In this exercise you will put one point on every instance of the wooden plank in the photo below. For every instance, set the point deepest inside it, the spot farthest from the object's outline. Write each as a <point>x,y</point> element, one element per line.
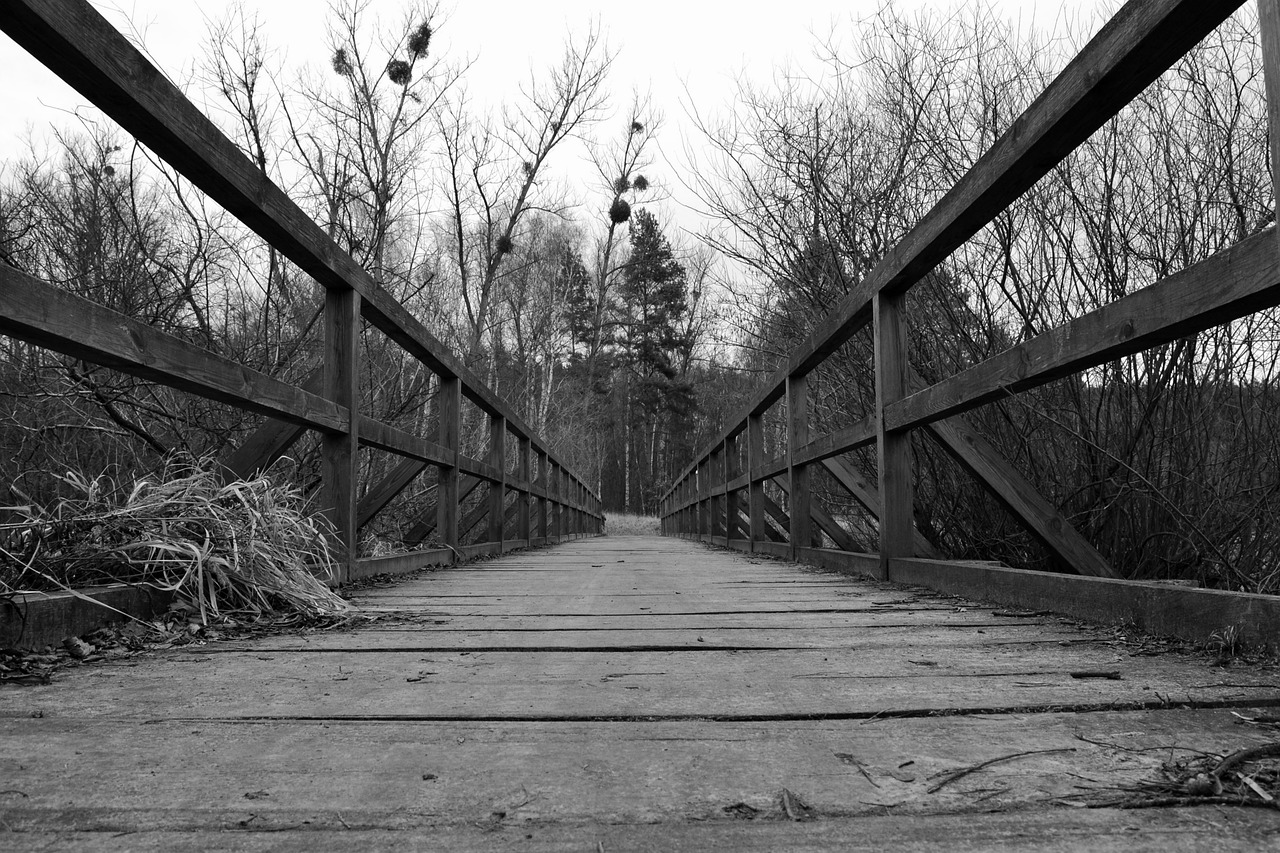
<point>395,564</point>
<point>825,522</point>
<point>339,459</point>
<point>1019,497</point>
<point>395,482</point>
<point>841,441</point>
<point>394,440</point>
<point>427,524</point>
<point>34,620</point>
<point>869,497</point>
<point>1231,284</point>
<point>270,441</point>
<point>1176,611</point>
<point>44,315</point>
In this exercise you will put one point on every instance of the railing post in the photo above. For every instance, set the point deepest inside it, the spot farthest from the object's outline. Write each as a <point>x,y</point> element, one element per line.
<point>798,475</point>
<point>525,496</point>
<point>704,498</point>
<point>731,472</point>
<point>755,490</point>
<point>893,448</point>
<point>339,454</point>
<point>542,498</point>
<point>498,490</point>
<point>450,435</point>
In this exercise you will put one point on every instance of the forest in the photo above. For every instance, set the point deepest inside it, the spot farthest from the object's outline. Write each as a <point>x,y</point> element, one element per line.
<point>626,330</point>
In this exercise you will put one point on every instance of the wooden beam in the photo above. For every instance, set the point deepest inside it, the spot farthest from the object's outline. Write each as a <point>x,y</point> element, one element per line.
<point>339,459</point>
<point>825,523</point>
<point>498,489</point>
<point>860,434</point>
<point>1019,497</point>
<point>430,518</point>
<point>41,314</point>
<point>867,495</point>
<point>893,448</point>
<point>395,482</point>
<point>270,440</point>
<point>1233,283</point>
<point>755,490</point>
<point>449,405</point>
<point>523,468</point>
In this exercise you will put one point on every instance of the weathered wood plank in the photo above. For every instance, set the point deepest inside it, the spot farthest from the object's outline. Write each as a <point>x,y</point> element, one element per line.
<point>1019,497</point>
<point>39,313</point>
<point>1232,284</point>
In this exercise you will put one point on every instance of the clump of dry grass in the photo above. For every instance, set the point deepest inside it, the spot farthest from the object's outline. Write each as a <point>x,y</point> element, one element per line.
<point>626,524</point>
<point>245,548</point>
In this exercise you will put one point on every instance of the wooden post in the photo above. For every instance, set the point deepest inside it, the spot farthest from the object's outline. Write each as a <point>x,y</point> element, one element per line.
<point>542,498</point>
<point>524,472</point>
<point>755,490</point>
<point>893,448</point>
<point>798,475</point>
<point>450,437</point>
<point>498,490</point>
<point>339,451</point>
<point>731,472</point>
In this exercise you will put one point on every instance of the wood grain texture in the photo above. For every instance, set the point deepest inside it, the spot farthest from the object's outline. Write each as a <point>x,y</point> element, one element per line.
<point>39,313</point>
<point>1232,284</point>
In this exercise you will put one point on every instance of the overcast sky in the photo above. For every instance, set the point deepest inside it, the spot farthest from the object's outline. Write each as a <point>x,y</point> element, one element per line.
<point>680,49</point>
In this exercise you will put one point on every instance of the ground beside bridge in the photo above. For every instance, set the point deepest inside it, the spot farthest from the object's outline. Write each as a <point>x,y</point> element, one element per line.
<point>639,693</point>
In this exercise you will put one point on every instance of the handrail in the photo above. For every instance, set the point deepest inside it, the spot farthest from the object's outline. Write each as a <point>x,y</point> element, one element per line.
<point>77,43</point>
<point>1142,40</point>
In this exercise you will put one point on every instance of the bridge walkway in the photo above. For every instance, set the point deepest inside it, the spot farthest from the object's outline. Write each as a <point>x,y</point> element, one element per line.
<point>628,693</point>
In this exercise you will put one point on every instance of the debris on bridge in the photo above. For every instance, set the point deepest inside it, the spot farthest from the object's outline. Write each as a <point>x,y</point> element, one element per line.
<point>243,549</point>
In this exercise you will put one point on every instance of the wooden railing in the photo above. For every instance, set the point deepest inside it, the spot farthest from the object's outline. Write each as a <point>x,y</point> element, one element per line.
<point>721,496</point>
<point>551,502</point>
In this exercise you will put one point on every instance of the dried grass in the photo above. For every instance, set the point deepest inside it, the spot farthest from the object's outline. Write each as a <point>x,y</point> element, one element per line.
<point>626,524</point>
<point>246,549</point>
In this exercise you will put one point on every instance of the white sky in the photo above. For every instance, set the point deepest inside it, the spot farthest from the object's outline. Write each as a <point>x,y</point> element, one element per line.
<point>662,45</point>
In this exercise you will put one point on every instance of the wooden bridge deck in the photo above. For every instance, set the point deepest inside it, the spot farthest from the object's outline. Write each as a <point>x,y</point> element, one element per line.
<point>630,693</point>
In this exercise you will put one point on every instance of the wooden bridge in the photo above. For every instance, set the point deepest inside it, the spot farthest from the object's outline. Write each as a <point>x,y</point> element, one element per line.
<point>655,693</point>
